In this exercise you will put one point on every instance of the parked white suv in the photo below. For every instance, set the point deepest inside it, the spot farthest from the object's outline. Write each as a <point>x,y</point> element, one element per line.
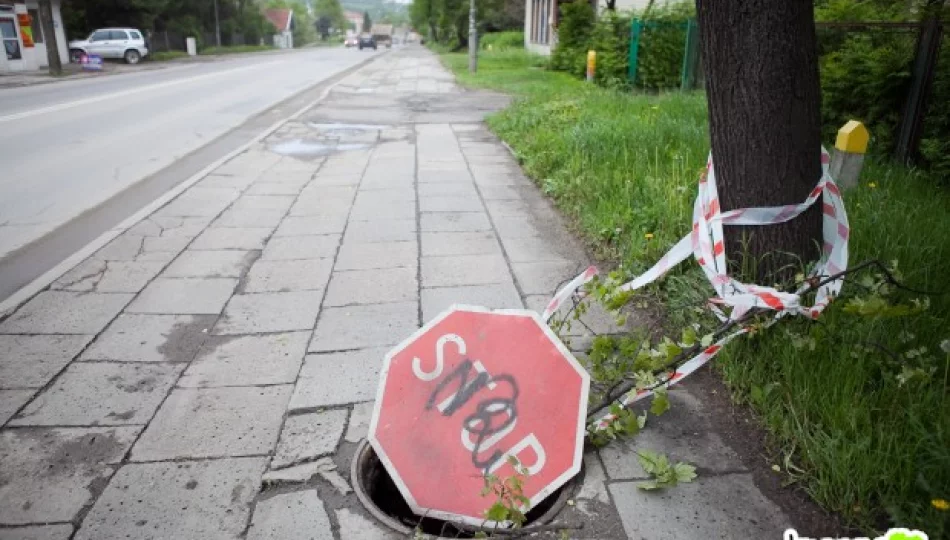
<point>125,43</point>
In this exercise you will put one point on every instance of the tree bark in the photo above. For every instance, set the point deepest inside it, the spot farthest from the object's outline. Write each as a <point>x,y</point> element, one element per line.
<point>761,63</point>
<point>49,35</point>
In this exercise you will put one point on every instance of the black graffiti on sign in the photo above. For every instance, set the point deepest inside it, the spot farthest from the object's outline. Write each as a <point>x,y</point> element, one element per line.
<point>481,423</point>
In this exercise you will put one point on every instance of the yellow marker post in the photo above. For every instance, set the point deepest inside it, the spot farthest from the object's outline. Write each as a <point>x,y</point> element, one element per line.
<point>848,157</point>
<point>853,137</point>
<point>591,65</point>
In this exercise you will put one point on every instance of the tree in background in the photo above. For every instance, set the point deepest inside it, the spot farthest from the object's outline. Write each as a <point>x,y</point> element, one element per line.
<point>239,18</point>
<point>367,22</point>
<point>422,16</point>
<point>500,15</point>
<point>329,14</point>
<point>446,21</point>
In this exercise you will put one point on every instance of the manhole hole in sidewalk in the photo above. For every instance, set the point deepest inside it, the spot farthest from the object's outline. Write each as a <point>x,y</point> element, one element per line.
<point>302,149</point>
<point>378,493</point>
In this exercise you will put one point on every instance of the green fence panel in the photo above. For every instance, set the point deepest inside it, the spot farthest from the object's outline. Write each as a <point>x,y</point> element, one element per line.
<point>636,28</point>
<point>690,51</point>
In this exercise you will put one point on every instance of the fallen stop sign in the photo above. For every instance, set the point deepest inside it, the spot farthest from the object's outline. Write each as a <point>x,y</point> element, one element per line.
<point>464,393</point>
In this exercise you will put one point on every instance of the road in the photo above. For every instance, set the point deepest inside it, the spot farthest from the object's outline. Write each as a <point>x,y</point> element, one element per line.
<point>70,146</point>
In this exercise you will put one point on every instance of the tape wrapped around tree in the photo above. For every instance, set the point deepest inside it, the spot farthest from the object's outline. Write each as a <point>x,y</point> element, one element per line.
<point>734,299</point>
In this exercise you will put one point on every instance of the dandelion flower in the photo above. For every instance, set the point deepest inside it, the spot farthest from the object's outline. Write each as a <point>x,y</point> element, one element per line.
<point>872,185</point>
<point>648,236</point>
<point>940,504</point>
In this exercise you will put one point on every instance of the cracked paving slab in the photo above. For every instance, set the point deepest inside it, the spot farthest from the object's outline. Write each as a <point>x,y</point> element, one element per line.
<point>49,474</point>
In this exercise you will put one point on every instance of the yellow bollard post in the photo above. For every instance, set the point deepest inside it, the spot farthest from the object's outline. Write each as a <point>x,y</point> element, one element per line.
<point>848,157</point>
<point>591,65</point>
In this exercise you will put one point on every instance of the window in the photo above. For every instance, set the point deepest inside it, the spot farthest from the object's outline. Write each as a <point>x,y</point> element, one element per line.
<point>119,35</point>
<point>11,43</point>
<point>37,27</point>
<point>100,35</point>
<point>540,15</point>
<point>136,35</point>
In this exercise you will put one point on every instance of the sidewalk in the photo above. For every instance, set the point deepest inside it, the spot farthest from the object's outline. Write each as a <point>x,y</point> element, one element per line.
<point>154,389</point>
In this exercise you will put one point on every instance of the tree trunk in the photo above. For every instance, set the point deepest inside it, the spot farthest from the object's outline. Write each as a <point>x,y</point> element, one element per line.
<point>761,63</point>
<point>49,34</point>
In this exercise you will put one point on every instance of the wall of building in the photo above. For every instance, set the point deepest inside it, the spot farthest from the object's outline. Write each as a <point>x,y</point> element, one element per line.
<point>32,58</point>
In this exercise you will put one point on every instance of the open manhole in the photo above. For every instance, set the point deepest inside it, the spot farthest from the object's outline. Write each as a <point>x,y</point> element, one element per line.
<point>302,149</point>
<point>379,494</point>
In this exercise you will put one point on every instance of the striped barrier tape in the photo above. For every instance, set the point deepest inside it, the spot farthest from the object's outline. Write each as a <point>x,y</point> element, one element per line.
<point>705,243</point>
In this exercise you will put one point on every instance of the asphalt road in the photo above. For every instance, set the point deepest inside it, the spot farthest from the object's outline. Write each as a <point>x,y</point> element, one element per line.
<point>69,147</point>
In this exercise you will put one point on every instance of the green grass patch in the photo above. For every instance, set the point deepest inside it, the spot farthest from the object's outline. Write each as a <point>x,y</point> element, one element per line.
<point>857,406</point>
<point>165,56</point>
<point>236,49</point>
<point>502,41</point>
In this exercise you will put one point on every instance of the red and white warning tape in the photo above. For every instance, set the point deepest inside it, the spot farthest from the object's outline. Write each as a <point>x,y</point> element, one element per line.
<point>705,243</point>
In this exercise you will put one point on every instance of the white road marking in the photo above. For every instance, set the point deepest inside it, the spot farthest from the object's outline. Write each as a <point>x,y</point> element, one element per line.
<point>124,93</point>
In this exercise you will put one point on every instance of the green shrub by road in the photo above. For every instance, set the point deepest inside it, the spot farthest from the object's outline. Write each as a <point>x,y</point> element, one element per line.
<point>857,405</point>
<point>234,49</point>
<point>164,56</point>
<point>502,41</point>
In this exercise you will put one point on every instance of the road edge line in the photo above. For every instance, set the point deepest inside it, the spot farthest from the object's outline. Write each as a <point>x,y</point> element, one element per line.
<point>25,293</point>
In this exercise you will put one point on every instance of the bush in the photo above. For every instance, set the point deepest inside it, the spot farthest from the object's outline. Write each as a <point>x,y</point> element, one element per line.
<point>662,44</point>
<point>935,144</point>
<point>574,33</point>
<point>867,79</point>
<point>502,41</point>
<point>660,58</point>
<point>610,39</point>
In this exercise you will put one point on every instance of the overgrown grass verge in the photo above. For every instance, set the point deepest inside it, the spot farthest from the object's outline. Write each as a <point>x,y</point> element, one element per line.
<point>857,405</point>
<point>234,49</point>
<point>164,56</point>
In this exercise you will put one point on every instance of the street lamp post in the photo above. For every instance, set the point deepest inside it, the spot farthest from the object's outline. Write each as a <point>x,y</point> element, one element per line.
<point>217,25</point>
<point>472,39</point>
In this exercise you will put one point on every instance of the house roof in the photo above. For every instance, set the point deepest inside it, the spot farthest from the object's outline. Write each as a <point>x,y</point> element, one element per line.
<point>280,18</point>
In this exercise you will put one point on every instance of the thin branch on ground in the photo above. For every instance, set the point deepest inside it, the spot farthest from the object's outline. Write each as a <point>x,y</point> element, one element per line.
<point>623,387</point>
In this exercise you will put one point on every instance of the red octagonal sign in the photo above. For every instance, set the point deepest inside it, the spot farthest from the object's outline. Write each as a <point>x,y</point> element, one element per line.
<point>468,390</point>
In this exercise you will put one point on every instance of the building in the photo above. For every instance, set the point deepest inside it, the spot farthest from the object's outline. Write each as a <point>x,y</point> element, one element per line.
<point>541,18</point>
<point>355,18</point>
<point>23,39</point>
<point>283,21</point>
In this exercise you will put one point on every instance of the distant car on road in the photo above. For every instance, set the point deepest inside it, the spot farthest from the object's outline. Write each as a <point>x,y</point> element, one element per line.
<point>350,41</point>
<point>367,40</point>
<point>125,43</point>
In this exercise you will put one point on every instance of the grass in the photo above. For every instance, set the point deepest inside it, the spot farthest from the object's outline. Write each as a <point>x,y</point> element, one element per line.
<point>502,41</point>
<point>164,56</point>
<point>844,425</point>
<point>234,49</point>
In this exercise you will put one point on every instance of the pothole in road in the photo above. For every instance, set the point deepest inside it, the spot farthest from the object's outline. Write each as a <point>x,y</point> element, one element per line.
<point>379,495</point>
<point>303,149</point>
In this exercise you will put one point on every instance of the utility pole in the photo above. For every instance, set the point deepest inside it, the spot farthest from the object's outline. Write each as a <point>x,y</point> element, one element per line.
<point>472,39</point>
<point>217,25</point>
<point>49,33</point>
